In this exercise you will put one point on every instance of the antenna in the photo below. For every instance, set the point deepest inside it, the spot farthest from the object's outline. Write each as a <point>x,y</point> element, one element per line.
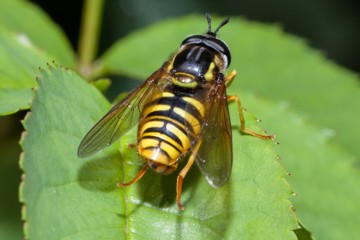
<point>208,17</point>
<point>225,21</point>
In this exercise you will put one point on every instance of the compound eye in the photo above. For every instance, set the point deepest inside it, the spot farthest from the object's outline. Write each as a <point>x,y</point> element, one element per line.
<point>220,47</point>
<point>210,42</point>
<point>193,39</point>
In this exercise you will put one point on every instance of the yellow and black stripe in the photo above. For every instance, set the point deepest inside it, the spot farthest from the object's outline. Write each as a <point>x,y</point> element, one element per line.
<point>163,132</point>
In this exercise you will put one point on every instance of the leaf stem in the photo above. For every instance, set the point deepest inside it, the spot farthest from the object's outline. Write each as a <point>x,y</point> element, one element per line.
<point>89,35</point>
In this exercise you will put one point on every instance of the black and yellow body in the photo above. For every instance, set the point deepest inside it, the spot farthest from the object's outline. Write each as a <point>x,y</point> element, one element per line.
<point>163,130</point>
<point>170,118</point>
<point>181,108</point>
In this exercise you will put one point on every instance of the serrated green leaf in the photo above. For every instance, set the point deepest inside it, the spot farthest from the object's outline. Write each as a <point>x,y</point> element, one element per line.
<point>67,197</point>
<point>323,174</point>
<point>19,62</point>
<point>273,64</point>
<point>26,19</point>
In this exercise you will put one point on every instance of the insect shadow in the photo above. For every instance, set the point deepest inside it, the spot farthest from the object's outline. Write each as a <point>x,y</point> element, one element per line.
<point>157,191</point>
<point>102,172</point>
<point>160,190</point>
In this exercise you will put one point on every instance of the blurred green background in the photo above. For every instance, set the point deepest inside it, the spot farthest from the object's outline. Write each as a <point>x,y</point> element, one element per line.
<point>332,26</point>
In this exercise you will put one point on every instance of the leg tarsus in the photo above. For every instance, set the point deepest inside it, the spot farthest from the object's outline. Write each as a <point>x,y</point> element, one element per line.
<point>183,173</point>
<point>178,192</point>
<point>252,133</point>
<point>136,178</point>
<point>242,120</point>
<point>230,78</point>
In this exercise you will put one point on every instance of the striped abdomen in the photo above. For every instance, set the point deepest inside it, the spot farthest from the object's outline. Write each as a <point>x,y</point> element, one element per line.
<point>163,131</point>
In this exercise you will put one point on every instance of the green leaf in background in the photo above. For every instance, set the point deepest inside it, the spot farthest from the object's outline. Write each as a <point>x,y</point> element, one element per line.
<point>27,40</point>
<point>281,67</point>
<point>324,175</point>
<point>24,18</point>
<point>131,57</point>
<point>19,63</point>
<point>76,198</point>
<point>13,100</point>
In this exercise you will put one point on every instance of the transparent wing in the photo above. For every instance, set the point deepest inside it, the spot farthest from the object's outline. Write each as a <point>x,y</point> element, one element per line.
<point>122,117</point>
<point>214,157</point>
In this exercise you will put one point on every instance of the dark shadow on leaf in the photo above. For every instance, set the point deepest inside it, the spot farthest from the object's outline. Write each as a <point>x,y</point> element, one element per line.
<point>160,190</point>
<point>103,171</point>
<point>302,233</point>
<point>100,172</point>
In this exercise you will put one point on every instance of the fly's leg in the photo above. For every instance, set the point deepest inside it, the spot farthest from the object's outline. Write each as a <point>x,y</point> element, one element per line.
<point>136,178</point>
<point>183,173</point>
<point>242,120</point>
<point>228,80</point>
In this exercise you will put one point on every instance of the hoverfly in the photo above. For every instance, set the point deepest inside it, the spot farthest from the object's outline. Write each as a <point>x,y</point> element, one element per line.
<point>181,108</point>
